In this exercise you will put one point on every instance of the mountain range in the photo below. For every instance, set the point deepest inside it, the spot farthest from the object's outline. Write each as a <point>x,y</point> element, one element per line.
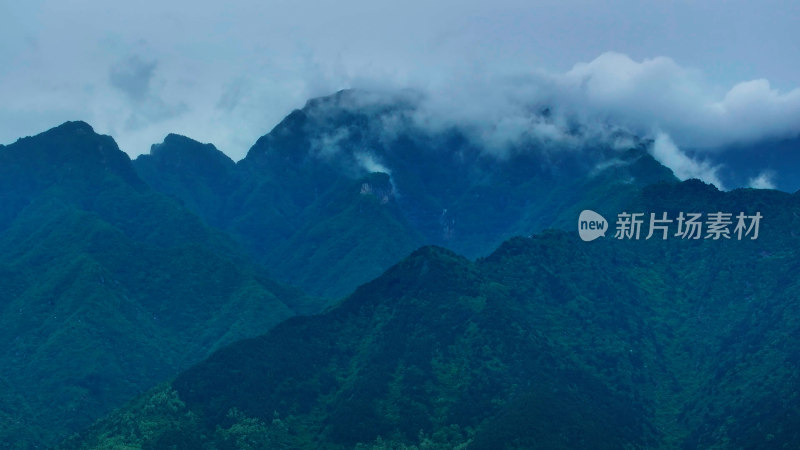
<point>549,342</point>
<point>107,286</point>
<point>298,200</point>
<point>358,280</point>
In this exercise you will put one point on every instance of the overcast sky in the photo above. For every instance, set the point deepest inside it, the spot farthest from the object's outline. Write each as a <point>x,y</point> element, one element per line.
<point>696,73</point>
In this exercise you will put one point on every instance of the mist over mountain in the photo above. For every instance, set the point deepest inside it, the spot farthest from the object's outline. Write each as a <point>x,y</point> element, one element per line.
<point>117,274</point>
<point>768,164</point>
<point>352,225</point>
<point>304,200</point>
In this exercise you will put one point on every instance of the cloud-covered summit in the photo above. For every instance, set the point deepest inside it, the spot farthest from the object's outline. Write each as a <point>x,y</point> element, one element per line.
<point>660,94</point>
<point>608,98</point>
<point>705,74</point>
<point>648,97</point>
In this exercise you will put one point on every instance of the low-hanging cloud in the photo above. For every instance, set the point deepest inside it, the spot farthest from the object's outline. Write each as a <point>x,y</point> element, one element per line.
<point>228,73</point>
<point>763,180</point>
<point>681,164</point>
<point>614,91</point>
<point>660,94</point>
<point>133,77</point>
<point>605,100</point>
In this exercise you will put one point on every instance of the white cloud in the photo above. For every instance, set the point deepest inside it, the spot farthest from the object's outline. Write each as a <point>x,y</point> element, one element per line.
<point>368,162</point>
<point>764,180</point>
<point>227,73</point>
<point>328,145</point>
<point>612,92</point>
<point>642,96</point>
<point>684,167</point>
<point>658,93</point>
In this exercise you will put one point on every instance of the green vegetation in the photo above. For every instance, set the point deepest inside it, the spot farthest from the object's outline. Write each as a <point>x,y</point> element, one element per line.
<point>116,276</point>
<point>107,287</point>
<point>549,342</point>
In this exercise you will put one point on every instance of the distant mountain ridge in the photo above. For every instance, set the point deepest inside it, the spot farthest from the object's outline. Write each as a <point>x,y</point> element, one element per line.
<point>445,189</point>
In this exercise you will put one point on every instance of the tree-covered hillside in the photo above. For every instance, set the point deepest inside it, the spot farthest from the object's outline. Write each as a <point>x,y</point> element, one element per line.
<point>106,286</point>
<point>549,342</point>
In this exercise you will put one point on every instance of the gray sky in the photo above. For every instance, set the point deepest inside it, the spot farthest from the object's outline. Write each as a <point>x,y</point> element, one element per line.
<point>694,72</point>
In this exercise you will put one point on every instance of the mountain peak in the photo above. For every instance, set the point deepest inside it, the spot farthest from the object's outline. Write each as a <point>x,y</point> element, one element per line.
<point>70,150</point>
<point>335,98</point>
<point>435,252</point>
<point>174,138</point>
<point>198,174</point>
<point>179,150</point>
<point>70,160</point>
<point>178,138</point>
<point>74,126</point>
<point>67,137</point>
<point>430,265</point>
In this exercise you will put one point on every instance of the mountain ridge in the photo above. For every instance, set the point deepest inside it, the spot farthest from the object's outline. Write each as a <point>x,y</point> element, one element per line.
<point>548,342</point>
<point>107,286</point>
<point>182,244</point>
<point>448,190</point>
